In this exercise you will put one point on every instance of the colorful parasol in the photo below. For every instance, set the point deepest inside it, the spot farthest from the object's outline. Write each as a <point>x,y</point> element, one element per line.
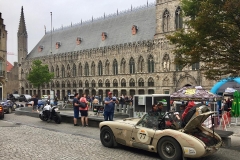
<point>194,94</point>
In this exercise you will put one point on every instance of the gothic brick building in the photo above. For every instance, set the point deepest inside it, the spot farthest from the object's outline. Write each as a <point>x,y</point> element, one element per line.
<point>126,53</point>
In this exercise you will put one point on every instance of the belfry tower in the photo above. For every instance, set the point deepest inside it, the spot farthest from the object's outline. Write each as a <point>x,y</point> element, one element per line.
<point>22,39</point>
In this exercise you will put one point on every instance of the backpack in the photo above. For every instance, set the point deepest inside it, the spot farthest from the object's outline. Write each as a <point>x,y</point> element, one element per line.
<point>82,105</point>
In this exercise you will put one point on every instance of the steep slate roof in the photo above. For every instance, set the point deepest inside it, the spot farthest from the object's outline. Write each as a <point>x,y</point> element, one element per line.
<point>117,27</point>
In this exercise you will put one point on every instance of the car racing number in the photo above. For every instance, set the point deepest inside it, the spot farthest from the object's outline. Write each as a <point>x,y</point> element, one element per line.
<point>142,136</point>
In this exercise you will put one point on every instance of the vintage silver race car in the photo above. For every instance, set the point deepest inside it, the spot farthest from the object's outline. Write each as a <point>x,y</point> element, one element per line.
<point>163,135</point>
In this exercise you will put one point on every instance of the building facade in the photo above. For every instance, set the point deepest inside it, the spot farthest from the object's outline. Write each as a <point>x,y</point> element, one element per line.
<point>126,53</point>
<point>3,59</point>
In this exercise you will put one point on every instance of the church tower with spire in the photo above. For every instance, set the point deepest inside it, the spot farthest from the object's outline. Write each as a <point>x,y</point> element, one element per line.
<point>22,39</point>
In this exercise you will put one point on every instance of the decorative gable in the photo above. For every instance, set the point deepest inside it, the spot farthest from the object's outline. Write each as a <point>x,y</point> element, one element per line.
<point>104,36</point>
<point>134,29</point>
<point>58,44</point>
<point>40,48</point>
<point>79,40</point>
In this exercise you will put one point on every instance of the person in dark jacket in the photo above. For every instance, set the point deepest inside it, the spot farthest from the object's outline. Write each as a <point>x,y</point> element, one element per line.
<point>34,100</point>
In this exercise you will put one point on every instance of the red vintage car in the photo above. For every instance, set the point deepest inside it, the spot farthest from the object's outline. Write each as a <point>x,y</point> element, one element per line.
<point>1,112</point>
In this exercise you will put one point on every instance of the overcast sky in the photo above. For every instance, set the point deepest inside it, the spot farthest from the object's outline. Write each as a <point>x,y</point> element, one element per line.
<point>64,12</point>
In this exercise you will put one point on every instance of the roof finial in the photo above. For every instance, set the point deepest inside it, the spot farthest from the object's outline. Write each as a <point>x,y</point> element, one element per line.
<point>117,11</point>
<point>81,21</point>
<point>131,7</point>
<point>71,24</point>
<point>104,15</point>
<point>92,18</point>
<point>147,3</point>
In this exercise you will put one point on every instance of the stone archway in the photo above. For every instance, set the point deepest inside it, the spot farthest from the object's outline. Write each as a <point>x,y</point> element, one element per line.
<point>186,80</point>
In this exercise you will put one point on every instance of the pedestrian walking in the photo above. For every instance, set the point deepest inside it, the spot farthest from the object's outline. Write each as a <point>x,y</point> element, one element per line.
<point>76,108</point>
<point>109,107</point>
<point>34,100</point>
<point>84,111</point>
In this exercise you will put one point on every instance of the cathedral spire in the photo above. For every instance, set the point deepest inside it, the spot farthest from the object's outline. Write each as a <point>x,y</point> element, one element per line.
<point>22,39</point>
<point>22,25</point>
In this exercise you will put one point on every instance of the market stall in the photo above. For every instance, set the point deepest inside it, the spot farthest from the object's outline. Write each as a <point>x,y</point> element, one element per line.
<point>198,94</point>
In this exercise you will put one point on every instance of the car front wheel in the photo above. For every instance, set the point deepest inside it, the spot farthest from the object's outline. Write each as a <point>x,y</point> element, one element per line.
<point>169,149</point>
<point>9,110</point>
<point>107,137</point>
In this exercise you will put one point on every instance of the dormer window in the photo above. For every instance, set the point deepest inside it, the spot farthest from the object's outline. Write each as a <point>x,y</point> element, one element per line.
<point>40,48</point>
<point>104,36</point>
<point>134,29</point>
<point>79,40</point>
<point>58,44</point>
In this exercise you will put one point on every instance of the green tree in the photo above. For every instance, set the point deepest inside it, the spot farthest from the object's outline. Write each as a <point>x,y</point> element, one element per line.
<point>39,75</point>
<point>212,36</point>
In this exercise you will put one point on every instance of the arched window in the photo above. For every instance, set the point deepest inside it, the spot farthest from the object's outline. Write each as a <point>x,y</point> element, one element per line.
<point>52,84</point>
<point>93,83</point>
<point>140,64</point>
<point>26,85</point>
<point>166,21</point>
<point>68,84</point>
<point>86,83</point>
<point>115,83</point>
<point>52,69</point>
<point>132,82</point>
<point>100,83</point>
<point>150,82</point>
<point>107,67</point>
<point>115,67</point>
<point>63,71</point>
<point>123,83</point>
<point>80,83</point>
<point>74,84</point>
<point>100,68</point>
<point>93,69</point>
<point>57,71</point>
<point>107,83</point>
<point>63,84</point>
<point>68,71</point>
<point>74,71</point>
<point>178,18</point>
<point>86,69</point>
<point>80,69</point>
<point>57,84</point>
<point>132,66</point>
<point>123,66</point>
<point>141,82</point>
<point>150,64</point>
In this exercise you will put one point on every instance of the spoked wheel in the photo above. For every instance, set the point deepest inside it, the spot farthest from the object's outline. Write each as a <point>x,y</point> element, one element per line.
<point>169,149</point>
<point>14,106</point>
<point>9,110</point>
<point>107,137</point>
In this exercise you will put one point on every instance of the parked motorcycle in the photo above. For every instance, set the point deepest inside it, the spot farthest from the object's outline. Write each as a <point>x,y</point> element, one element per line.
<point>50,113</point>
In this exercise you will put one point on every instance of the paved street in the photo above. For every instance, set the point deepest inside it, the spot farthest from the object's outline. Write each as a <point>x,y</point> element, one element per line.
<point>31,138</point>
